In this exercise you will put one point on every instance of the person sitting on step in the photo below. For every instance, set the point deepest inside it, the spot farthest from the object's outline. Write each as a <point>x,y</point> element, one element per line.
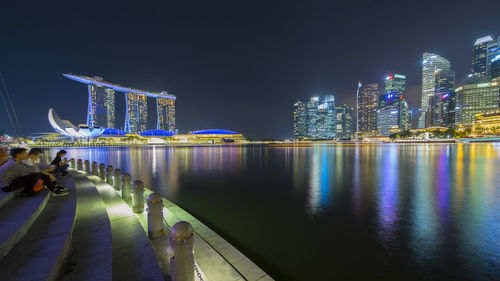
<point>19,175</point>
<point>34,157</point>
<point>58,166</point>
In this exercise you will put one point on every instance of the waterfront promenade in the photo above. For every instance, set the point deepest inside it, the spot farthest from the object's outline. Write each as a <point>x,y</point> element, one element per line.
<point>111,228</point>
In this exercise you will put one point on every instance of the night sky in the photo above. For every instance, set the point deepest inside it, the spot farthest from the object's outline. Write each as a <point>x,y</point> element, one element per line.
<point>237,65</point>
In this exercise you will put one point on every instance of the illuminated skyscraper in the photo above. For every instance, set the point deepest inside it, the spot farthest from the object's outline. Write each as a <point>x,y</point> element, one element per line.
<point>367,105</point>
<point>166,114</point>
<point>344,128</point>
<point>325,124</point>
<point>495,66</point>
<point>299,120</point>
<point>442,104</point>
<point>388,120</point>
<point>485,50</point>
<point>101,107</point>
<point>136,117</point>
<point>431,64</point>
<point>395,98</point>
<point>312,117</point>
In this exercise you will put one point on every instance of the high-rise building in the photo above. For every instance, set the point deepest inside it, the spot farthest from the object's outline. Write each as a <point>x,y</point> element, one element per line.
<point>344,128</point>
<point>299,120</point>
<point>312,117</point>
<point>388,120</point>
<point>473,99</point>
<point>442,104</point>
<point>136,117</point>
<point>395,96</point>
<point>166,114</point>
<point>431,64</point>
<point>367,105</point>
<point>101,107</point>
<point>485,50</point>
<point>316,119</point>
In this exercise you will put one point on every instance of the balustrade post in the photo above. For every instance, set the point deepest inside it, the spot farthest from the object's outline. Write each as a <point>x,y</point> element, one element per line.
<point>95,171</point>
<point>102,171</point>
<point>86,166</point>
<point>117,180</point>
<point>138,197</point>
<point>126,188</point>
<point>155,215</point>
<point>109,175</point>
<point>181,252</point>
<point>72,163</point>
<point>79,165</point>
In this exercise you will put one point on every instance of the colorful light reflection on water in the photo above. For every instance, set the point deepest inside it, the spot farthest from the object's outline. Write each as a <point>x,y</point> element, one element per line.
<point>324,212</point>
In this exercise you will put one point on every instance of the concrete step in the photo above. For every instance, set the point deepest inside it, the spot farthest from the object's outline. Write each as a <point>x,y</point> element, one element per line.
<point>91,255</point>
<point>5,197</point>
<point>17,215</point>
<point>40,253</point>
<point>133,255</point>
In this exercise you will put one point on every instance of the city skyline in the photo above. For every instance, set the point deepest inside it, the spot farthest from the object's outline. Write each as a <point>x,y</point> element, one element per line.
<point>291,57</point>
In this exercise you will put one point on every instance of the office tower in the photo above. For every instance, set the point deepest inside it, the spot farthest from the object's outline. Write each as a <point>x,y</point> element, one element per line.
<point>299,120</point>
<point>388,120</point>
<point>485,50</point>
<point>101,107</point>
<point>395,97</point>
<point>325,123</point>
<point>473,99</point>
<point>166,114</point>
<point>431,64</point>
<point>367,105</point>
<point>136,117</point>
<point>442,104</point>
<point>312,117</point>
<point>344,128</point>
<point>315,119</point>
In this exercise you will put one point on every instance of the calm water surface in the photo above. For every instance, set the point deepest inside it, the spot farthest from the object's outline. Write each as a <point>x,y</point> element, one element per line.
<point>343,212</point>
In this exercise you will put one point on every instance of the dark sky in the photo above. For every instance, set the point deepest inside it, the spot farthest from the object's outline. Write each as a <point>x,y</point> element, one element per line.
<point>236,65</point>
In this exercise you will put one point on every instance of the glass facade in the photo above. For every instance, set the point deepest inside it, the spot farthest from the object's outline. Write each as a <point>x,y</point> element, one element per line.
<point>136,117</point>
<point>299,120</point>
<point>315,119</point>
<point>431,64</point>
<point>395,98</point>
<point>101,107</point>
<point>166,114</point>
<point>388,120</point>
<point>367,104</point>
<point>344,128</point>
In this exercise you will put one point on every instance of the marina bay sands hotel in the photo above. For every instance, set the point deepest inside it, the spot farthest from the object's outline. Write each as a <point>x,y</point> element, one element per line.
<point>101,108</point>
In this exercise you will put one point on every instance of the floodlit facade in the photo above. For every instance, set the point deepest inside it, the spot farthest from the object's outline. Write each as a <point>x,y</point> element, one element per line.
<point>166,114</point>
<point>395,98</point>
<point>315,119</point>
<point>487,123</point>
<point>67,129</point>
<point>485,50</point>
<point>367,105</point>
<point>299,120</point>
<point>431,64</point>
<point>473,99</point>
<point>442,104</point>
<point>101,107</point>
<point>136,116</point>
<point>344,128</point>
<point>387,120</point>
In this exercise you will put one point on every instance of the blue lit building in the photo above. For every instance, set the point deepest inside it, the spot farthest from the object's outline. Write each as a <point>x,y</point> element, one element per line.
<point>395,99</point>
<point>388,120</point>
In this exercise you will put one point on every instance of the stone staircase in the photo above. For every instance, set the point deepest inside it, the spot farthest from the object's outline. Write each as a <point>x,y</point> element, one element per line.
<point>94,234</point>
<point>86,235</point>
